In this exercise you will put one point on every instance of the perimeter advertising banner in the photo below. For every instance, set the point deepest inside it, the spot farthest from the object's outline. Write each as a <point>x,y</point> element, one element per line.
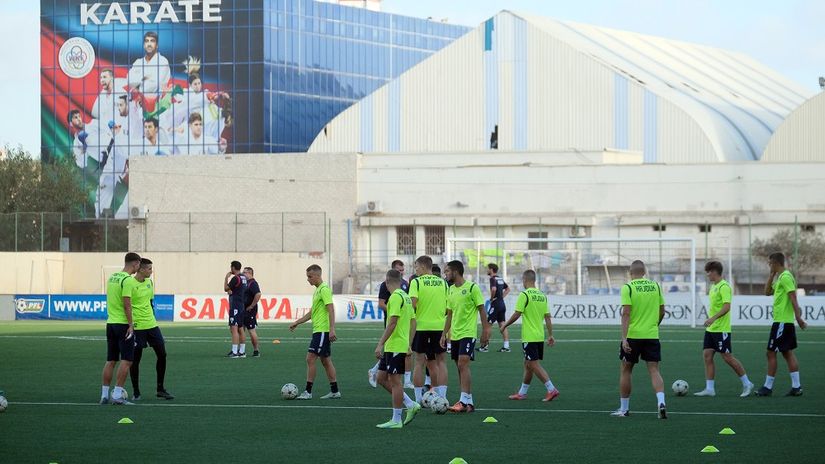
<point>121,79</point>
<point>78,307</point>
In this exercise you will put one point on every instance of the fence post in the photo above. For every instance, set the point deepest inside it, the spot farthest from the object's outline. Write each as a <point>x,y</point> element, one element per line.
<point>106,234</point>
<point>660,250</point>
<point>795,244</point>
<point>750,257</point>
<point>325,232</point>
<point>283,218</point>
<point>706,240</point>
<point>42,230</point>
<point>190,231</point>
<point>349,245</point>
<point>15,230</point>
<point>369,258</point>
<point>236,232</point>
<point>328,249</point>
<point>60,242</point>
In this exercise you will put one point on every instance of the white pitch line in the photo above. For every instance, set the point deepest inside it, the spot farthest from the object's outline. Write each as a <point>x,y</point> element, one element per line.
<point>377,408</point>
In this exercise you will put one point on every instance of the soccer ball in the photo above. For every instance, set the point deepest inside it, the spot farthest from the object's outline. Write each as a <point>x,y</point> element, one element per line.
<point>3,404</point>
<point>440,405</point>
<point>289,391</point>
<point>680,387</point>
<point>428,398</point>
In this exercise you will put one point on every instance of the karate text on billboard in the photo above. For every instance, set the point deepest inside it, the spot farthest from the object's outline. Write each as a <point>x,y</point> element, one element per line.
<point>143,12</point>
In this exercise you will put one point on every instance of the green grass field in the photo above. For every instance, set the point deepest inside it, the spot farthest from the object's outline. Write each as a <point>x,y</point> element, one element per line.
<point>230,410</point>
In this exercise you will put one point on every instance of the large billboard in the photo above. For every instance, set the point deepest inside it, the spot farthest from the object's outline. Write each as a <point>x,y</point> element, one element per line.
<point>147,78</point>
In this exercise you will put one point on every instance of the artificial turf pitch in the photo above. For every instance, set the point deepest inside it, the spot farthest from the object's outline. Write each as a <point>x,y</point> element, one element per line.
<point>230,410</point>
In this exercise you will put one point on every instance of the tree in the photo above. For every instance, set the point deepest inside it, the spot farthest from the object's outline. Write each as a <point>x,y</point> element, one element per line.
<point>810,252</point>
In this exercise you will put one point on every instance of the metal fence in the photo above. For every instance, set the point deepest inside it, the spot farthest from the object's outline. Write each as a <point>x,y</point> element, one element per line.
<point>61,232</point>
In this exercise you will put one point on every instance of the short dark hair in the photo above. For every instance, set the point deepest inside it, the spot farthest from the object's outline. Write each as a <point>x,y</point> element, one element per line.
<point>123,97</point>
<point>529,276</point>
<point>195,117</point>
<point>251,271</point>
<point>436,270</point>
<point>152,34</point>
<point>715,266</point>
<point>131,257</point>
<point>396,262</point>
<point>194,76</point>
<point>425,261</point>
<point>778,258</point>
<point>235,265</point>
<point>314,268</point>
<point>456,266</point>
<point>153,121</point>
<point>145,262</point>
<point>107,70</point>
<point>71,114</point>
<point>393,277</point>
<point>493,267</point>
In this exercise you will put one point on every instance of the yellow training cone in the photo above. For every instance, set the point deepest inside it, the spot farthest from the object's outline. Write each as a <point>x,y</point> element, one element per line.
<point>727,431</point>
<point>490,420</point>
<point>458,461</point>
<point>125,420</point>
<point>276,341</point>
<point>710,449</point>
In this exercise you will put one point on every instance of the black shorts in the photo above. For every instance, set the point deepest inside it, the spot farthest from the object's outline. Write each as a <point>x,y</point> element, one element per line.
<point>533,351</point>
<point>428,342</point>
<point>465,347</point>
<point>392,363</point>
<point>648,348</point>
<point>497,313</point>
<point>250,318</point>
<point>118,346</point>
<point>783,337</point>
<point>320,344</point>
<point>236,316</point>
<point>718,342</point>
<point>148,337</point>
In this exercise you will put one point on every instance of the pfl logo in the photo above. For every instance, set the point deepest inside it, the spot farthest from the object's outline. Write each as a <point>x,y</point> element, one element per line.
<point>352,311</point>
<point>77,57</point>
<point>29,305</point>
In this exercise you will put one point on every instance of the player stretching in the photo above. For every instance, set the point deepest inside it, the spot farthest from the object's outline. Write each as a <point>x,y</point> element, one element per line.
<point>141,292</point>
<point>120,337</point>
<point>532,303</point>
<point>464,304</point>
<point>323,334</point>
<point>429,298</point>
<point>643,308</point>
<point>717,333</point>
<point>392,349</point>
<point>783,332</point>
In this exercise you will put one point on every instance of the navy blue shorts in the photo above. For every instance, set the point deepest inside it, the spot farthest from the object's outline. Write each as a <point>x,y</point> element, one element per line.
<point>236,316</point>
<point>428,342</point>
<point>533,351</point>
<point>250,318</point>
<point>718,342</point>
<point>392,363</point>
<point>118,346</point>
<point>649,349</point>
<point>465,347</point>
<point>783,337</point>
<point>320,344</point>
<point>148,337</point>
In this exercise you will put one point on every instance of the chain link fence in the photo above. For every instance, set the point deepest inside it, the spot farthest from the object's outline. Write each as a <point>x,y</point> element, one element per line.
<point>61,232</point>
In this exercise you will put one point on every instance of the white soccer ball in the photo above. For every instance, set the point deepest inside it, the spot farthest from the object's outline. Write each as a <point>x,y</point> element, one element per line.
<point>440,405</point>
<point>3,404</point>
<point>427,399</point>
<point>289,391</point>
<point>680,387</point>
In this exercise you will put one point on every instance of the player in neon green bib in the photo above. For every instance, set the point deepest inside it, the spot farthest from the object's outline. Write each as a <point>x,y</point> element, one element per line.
<point>532,303</point>
<point>783,333</point>
<point>643,308</point>
<point>717,332</point>
<point>392,349</point>
<point>429,297</point>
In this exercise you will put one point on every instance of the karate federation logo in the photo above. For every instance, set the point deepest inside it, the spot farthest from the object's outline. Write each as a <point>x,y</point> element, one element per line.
<point>77,57</point>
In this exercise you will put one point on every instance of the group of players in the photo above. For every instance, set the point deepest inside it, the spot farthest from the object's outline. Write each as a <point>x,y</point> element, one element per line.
<point>431,316</point>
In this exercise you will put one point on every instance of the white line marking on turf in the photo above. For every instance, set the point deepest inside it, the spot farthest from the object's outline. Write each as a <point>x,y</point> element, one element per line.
<point>383,408</point>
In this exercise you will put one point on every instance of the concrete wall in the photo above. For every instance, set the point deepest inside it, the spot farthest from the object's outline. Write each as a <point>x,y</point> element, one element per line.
<point>24,273</point>
<point>6,308</point>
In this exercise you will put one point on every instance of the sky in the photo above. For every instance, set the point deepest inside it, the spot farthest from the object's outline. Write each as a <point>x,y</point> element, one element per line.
<point>785,35</point>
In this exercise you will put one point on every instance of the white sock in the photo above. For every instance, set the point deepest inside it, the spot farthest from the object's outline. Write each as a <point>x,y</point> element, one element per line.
<point>234,348</point>
<point>549,385</point>
<point>396,415</point>
<point>427,380</point>
<point>769,382</point>
<point>464,397</point>
<point>242,348</point>
<point>710,385</point>
<point>418,392</point>
<point>375,367</point>
<point>441,390</point>
<point>104,391</point>
<point>408,402</point>
<point>745,380</point>
<point>117,393</point>
<point>507,343</point>
<point>795,380</point>
<point>469,398</point>
<point>523,389</point>
<point>660,398</point>
<point>407,376</point>
<point>624,404</point>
